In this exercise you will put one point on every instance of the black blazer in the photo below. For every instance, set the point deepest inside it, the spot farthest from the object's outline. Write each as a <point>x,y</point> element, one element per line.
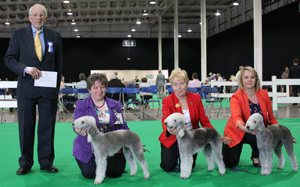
<point>21,53</point>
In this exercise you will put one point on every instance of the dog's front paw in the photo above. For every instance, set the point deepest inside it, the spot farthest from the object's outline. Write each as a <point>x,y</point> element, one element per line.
<point>97,181</point>
<point>132,173</point>
<point>265,173</point>
<point>222,173</point>
<point>183,176</point>
<point>279,167</point>
<point>146,175</point>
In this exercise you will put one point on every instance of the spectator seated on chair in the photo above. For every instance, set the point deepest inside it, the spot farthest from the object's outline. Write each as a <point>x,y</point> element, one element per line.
<point>115,82</point>
<point>144,95</point>
<point>82,85</point>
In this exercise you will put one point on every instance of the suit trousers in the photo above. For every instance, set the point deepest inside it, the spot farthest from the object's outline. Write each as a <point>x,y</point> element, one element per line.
<point>170,156</point>
<point>231,156</point>
<point>115,166</point>
<point>47,109</point>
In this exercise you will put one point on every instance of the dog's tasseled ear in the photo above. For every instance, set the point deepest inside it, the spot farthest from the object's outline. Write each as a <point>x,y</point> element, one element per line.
<point>181,133</point>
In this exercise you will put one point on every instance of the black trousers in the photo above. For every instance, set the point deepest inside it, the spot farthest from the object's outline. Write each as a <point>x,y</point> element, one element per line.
<point>231,156</point>
<point>115,166</point>
<point>296,90</point>
<point>47,109</point>
<point>169,157</point>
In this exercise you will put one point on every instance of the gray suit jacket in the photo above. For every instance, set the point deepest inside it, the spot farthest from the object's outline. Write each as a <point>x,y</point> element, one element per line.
<point>160,80</point>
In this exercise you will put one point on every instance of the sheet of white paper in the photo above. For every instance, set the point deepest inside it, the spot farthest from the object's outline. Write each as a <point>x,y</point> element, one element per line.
<point>48,79</point>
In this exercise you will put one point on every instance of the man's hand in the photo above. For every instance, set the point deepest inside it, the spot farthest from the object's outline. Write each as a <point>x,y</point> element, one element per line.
<point>34,72</point>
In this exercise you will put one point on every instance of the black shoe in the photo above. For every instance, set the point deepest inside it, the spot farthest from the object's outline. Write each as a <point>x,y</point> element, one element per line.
<point>257,165</point>
<point>50,169</point>
<point>23,170</point>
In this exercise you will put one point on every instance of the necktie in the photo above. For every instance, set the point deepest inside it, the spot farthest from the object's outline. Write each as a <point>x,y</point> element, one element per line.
<point>37,45</point>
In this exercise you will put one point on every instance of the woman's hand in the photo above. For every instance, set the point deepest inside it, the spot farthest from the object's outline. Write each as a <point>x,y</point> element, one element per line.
<point>244,128</point>
<point>81,132</point>
<point>225,140</point>
<point>172,131</point>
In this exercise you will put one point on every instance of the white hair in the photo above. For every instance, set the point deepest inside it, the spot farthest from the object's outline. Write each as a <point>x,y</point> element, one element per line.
<point>39,5</point>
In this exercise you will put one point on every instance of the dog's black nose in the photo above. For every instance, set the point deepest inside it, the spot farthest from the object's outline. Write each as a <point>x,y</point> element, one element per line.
<point>166,124</point>
<point>248,127</point>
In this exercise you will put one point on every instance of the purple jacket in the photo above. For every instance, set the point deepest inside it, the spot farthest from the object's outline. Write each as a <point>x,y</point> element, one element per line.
<point>82,149</point>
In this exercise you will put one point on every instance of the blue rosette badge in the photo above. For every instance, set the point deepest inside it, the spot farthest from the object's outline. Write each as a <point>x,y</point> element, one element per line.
<point>50,47</point>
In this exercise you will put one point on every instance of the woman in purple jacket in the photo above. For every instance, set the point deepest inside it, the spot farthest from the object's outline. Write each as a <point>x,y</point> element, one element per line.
<point>108,115</point>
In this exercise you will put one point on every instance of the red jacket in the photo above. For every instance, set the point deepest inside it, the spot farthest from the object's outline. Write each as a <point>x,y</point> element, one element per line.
<point>196,110</point>
<point>240,112</point>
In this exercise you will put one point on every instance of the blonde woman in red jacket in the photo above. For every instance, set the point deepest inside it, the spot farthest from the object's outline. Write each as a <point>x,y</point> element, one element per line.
<point>184,102</point>
<point>248,99</point>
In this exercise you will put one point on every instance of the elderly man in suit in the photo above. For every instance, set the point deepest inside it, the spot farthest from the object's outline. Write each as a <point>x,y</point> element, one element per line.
<point>31,51</point>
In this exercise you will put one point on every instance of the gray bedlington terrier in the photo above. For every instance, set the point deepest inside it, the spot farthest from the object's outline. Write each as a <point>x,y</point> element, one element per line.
<point>271,139</point>
<point>193,141</point>
<point>107,144</point>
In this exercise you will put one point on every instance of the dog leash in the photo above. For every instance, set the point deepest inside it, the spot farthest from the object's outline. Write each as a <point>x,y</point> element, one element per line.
<point>246,171</point>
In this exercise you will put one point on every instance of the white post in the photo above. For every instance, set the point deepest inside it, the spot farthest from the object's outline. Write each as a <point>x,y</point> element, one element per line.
<point>257,20</point>
<point>203,41</point>
<point>176,45</point>
<point>274,91</point>
<point>159,45</point>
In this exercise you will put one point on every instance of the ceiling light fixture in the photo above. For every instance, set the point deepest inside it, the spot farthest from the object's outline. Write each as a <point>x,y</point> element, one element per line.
<point>145,13</point>
<point>70,13</point>
<point>152,2</point>
<point>235,3</point>
<point>133,29</point>
<point>66,1</point>
<point>75,30</point>
<point>7,23</point>
<point>179,36</point>
<point>129,35</point>
<point>218,13</point>
<point>189,30</point>
<point>138,21</point>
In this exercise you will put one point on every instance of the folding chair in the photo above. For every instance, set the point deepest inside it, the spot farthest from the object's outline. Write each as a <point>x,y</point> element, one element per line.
<point>211,97</point>
<point>170,90</point>
<point>114,90</point>
<point>2,92</point>
<point>66,98</point>
<point>153,90</point>
<point>192,89</point>
<point>137,102</point>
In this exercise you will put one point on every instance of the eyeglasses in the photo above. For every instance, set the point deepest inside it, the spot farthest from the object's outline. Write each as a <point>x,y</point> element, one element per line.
<point>38,15</point>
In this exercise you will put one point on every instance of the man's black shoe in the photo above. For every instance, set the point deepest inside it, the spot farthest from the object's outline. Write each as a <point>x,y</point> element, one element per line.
<point>23,170</point>
<point>50,168</point>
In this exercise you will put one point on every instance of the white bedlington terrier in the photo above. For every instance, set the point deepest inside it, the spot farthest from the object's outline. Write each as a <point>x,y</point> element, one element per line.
<point>271,139</point>
<point>193,141</point>
<point>107,144</point>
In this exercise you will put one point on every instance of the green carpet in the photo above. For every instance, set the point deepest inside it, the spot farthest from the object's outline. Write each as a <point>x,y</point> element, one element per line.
<point>69,173</point>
